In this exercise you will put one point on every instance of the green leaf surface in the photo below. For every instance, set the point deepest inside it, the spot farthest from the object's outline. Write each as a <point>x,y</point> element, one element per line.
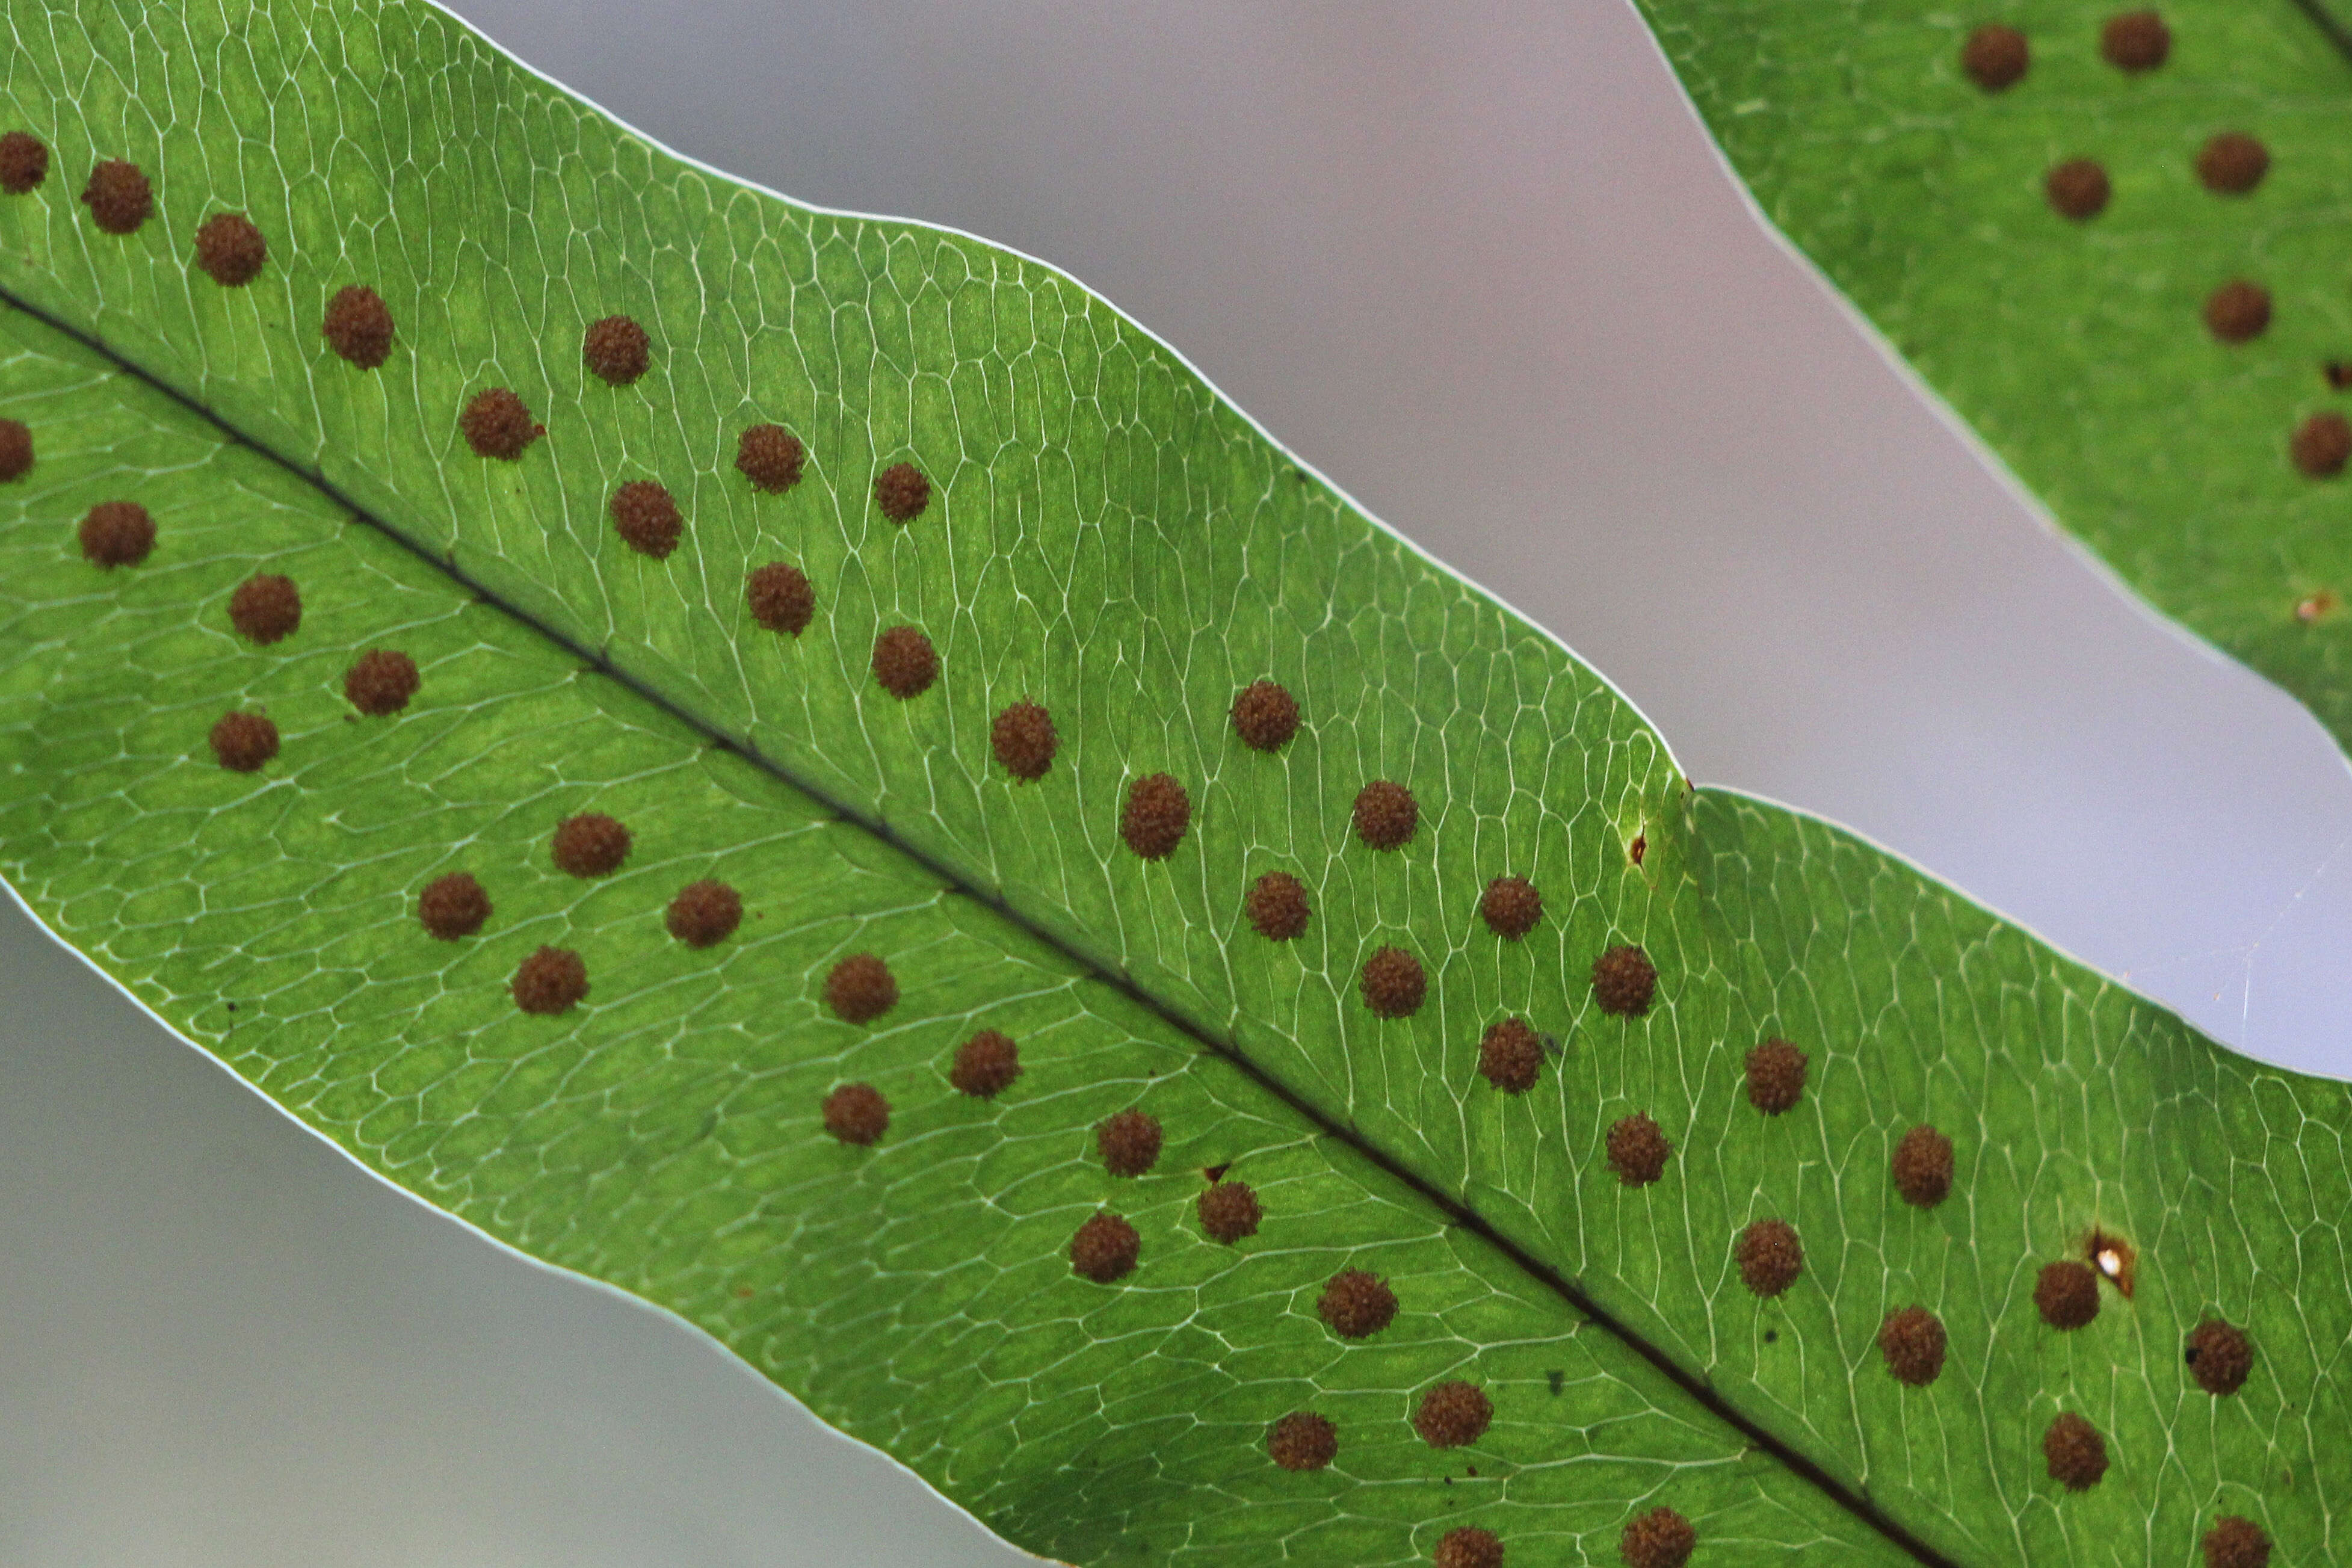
<point>1108,537</point>
<point>2079,349</point>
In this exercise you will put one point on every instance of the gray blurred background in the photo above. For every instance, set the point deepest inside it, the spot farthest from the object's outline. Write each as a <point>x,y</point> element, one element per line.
<point>1480,265</point>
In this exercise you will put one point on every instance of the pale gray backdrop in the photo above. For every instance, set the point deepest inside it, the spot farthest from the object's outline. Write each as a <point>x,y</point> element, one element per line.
<point>1482,268</point>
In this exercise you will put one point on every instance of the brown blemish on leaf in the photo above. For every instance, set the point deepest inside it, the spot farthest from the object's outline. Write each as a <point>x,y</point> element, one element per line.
<point>1776,1076</point>
<point>1276,906</point>
<point>2075,1453</point>
<point>24,162</point>
<point>1658,1538</point>
<point>1265,716</point>
<point>1157,813</point>
<point>551,981</point>
<point>1638,1151</point>
<point>902,492</point>
<point>1025,742</point>
<point>770,456</point>
<point>2077,189</point>
<point>590,845</point>
<point>2218,1356</point>
<point>1912,1342</point>
<point>617,349</point>
<point>1105,1249</point>
<point>1128,1143</point>
<point>985,1065</point>
<point>495,424</point>
<point>381,682</point>
<point>2136,41</point>
<point>1229,1210</point>
<point>1995,56</point>
<point>860,988</point>
<point>230,250</point>
<point>2232,162</point>
<point>265,608</point>
<point>905,663</point>
<point>780,597</point>
<point>1511,1056</point>
<point>16,450</point>
<point>1356,1305</point>
<point>2066,1294</point>
<point>453,906</point>
<point>1923,1167</point>
<point>117,533</point>
<point>1510,906</point>
<point>647,518</point>
<point>856,1113</point>
<point>243,743</point>
<point>358,326</point>
<point>1452,1415</point>
<point>1468,1546</point>
<point>1624,981</point>
<point>1302,1440</point>
<point>1769,1257</point>
<point>1392,984</point>
<point>2321,445</point>
<point>2113,1257</point>
<point>119,196</point>
<point>2236,1542</point>
<point>704,913</point>
<point>1386,815</point>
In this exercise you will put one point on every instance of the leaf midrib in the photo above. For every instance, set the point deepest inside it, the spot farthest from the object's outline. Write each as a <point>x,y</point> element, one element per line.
<point>1457,1213</point>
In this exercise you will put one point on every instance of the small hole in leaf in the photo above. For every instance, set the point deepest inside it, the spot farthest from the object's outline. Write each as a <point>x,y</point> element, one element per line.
<point>230,250</point>
<point>453,906</point>
<point>905,662</point>
<point>1128,1143</point>
<point>1386,815</point>
<point>617,349</point>
<point>647,518</point>
<point>1658,1538</point>
<point>1276,906</point>
<point>1105,1249</point>
<point>243,743</point>
<point>2310,606</point>
<point>1912,1342</point>
<point>780,597</point>
<point>1392,984</point>
<point>770,456</point>
<point>1511,1056</point>
<point>1638,1151</point>
<point>119,196</point>
<point>985,1065</point>
<point>1995,56</point>
<point>2136,41</point>
<point>2077,189</point>
<point>2075,1453</point>
<point>1229,1210</point>
<point>1024,740</point>
<point>1302,1440</point>
<point>2232,162</point>
<point>1624,981</point>
<point>495,424</point>
<point>1265,716</point>
<point>1510,906</point>
<point>590,845</point>
<point>550,980</point>
<point>704,913</point>
<point>358,326</point>
<point>856,1113</point>
<point>1468,1547</point>
<point>265,608</point>
<point>2114,1258</point>
<point>1156,815</point>
<point>2066,1294</point>
<point>1769,1257</point>
<point>1356,1305</point>
<point>2218,1356</point>
<point>24,162</point>
<point>117,533</point>
<point>1452,1415</point>
<point>381,682</point>
<point>902,492</point>
<point>860,988</point>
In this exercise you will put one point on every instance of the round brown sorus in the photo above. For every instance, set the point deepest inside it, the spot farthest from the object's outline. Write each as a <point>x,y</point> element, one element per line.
<point>902,492</point>
<point>2136,41</point>
<point>2231,164</point>
<point>780,597</point>
<point>1155,816</point>
<point>856,1113</point>
<point>905,662</point>
<point>1452,1415</point>
<point>265,608</point>
<point>590,845</point>
<point>1386,815</point>
<point>1024,740</point>
<point>1510,906</point>
<point>452,906</point>
<point>117,533</point>
<point>1302,1440</point>
<point>495,424</point>
<point>2321,445</point>
<point>1392,984</point>
<point>1769,1257</point>
<point>119,196</point>
<point>1128,1143</point>
<point>616,347</point>
<point>243,743</point>
<point>15,449</point>
<point>24,162</point>
<point>1265,716</point>
<point>704,913</point>
<point>230,250</point>
<point>381,682</point>
<point>2238,311</point>
<point>2218,1356</point>
<point>358,326</point>
<point>1511,1056</point>
<point>2236,1542</point>
<point>1923,1167</point>
<point>1276,906</point>
<point>770,456</point>
<point>1468,1547</point>
<point>1776,1076</point>
<point>860,988</point>
<point>1356,1305</point>
<point>1638,1151</point>
<point>1658,1538</point>
<point>2338,373</point>
<point>2067,1294</point>
<point>1624,980</point>
<point>2076,1454</point>
<point>1912,1341</point>
<point>645,516</point>
<point>1995,56</point>
<point>985,1065</point>
<point>549,982</point>
<point>2077,189</point>
<point>1229,1210</point>
<point>1105,1249</point>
